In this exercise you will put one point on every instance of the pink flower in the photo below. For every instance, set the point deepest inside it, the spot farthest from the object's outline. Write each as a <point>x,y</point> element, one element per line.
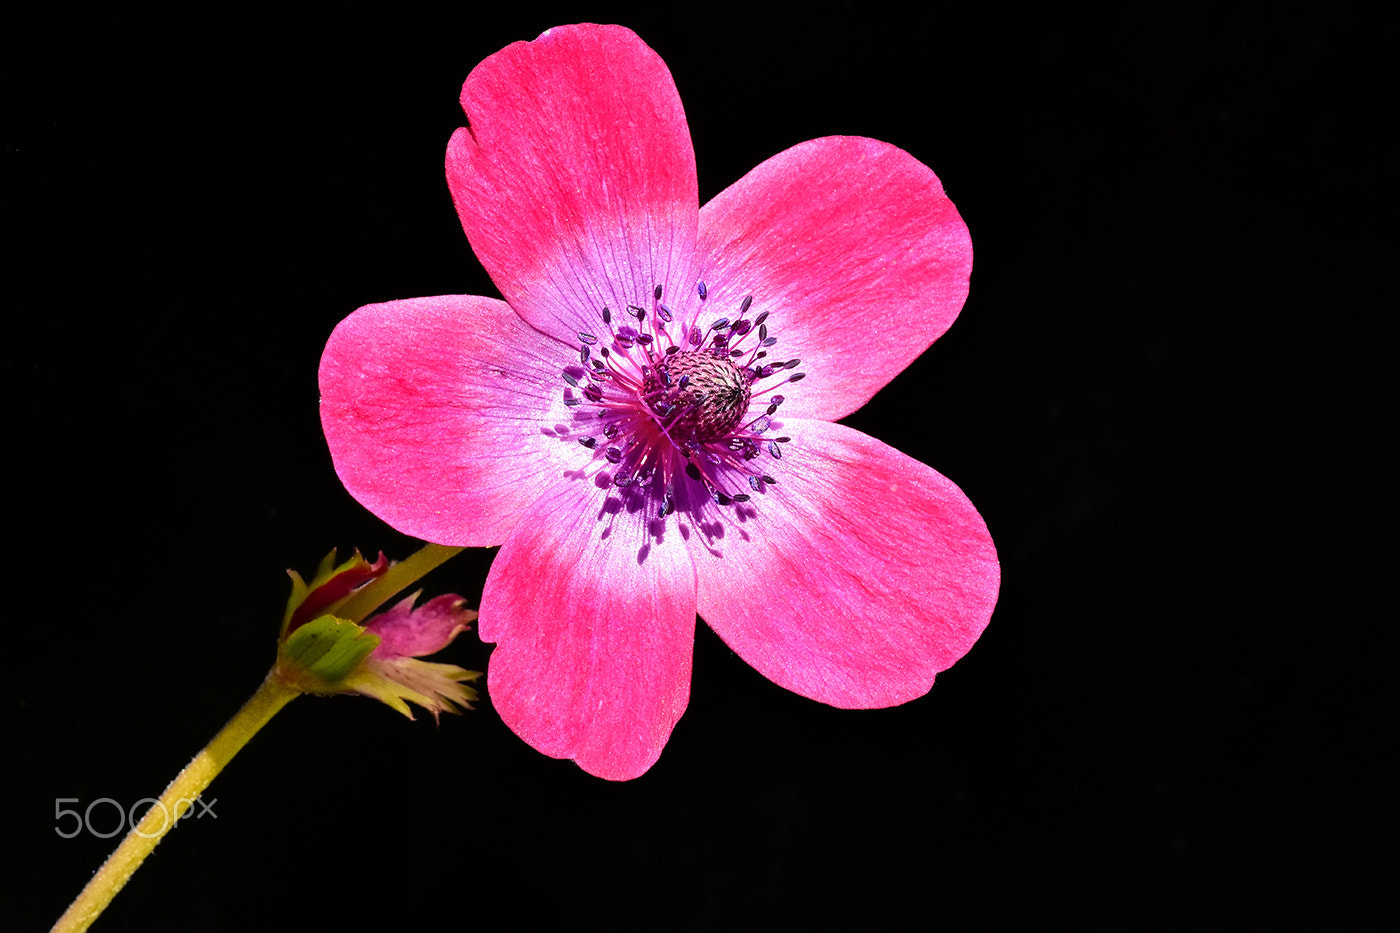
<point>645,424</point>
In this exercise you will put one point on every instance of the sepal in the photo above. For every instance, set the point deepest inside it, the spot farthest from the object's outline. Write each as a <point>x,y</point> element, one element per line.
<point>326,654</point>
<point>330,586</point>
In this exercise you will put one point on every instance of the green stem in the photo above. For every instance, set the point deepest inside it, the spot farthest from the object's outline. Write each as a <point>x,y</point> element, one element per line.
<point>177,800</point>
<point>398,577</point>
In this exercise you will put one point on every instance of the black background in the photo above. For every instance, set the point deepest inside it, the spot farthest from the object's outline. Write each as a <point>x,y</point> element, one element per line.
<point>1163,395</point>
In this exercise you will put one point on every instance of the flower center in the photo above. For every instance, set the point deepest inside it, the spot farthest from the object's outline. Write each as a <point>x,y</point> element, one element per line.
<point>668,401</point>
<point>697,396</point>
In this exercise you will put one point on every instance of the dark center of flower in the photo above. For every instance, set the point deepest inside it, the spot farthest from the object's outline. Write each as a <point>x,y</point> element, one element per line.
<point>697,396</point>
<point>667,400</point>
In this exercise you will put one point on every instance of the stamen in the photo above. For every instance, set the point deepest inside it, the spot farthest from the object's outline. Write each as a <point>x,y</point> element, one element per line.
<point>675,405</point>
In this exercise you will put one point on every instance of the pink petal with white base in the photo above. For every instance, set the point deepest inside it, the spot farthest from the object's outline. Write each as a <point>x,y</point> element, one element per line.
<point>442,413</point>
<point>855,251</point>
<point>575,179</point>
<point>591,604</point>
<point>854,579</point>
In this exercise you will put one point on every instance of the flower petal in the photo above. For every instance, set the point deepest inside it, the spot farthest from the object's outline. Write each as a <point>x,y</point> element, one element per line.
<point>575,181</point>
<point>855,251</point>
<point>442,413</point>
<point>854,579</point>
<point>408,632</point>
<point>591,604</point>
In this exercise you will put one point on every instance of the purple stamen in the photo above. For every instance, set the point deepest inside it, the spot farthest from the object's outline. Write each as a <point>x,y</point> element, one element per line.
<point>682,407</point>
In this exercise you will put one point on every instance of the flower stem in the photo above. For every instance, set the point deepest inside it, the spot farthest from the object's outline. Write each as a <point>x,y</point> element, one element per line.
<point>398,577</point>
<point>176,802</point>
<point>180,796</point>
